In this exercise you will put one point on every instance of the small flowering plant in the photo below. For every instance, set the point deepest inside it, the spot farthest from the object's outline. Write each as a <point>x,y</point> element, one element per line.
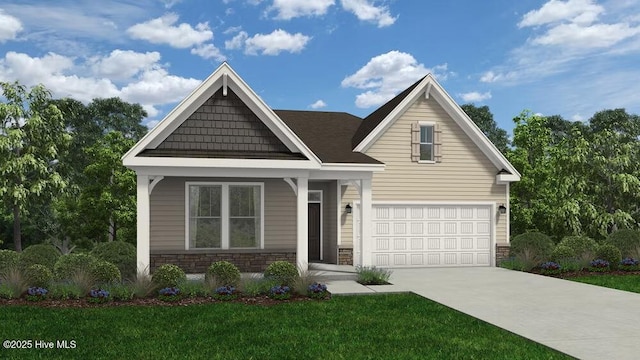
<point>317,291</point>
<point>550,268</point>
<point>225,293</point>
<point>280,292</point>
<point>599,265</point>
<point>36,293</point>
<point>98,296</point>
<point>629,264</point>
<point>170,294</point>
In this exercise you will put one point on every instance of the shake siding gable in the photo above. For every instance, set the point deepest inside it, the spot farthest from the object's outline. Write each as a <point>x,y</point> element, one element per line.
<point>464,174</point>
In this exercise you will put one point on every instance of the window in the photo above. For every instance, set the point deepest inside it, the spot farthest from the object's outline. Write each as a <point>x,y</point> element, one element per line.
<point>426,142</point>
<point>224,215</point>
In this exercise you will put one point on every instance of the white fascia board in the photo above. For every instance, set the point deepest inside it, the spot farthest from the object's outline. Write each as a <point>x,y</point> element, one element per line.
<point>339,175</point>
<point>220,163</point>
<point>352,167</point>
<point>219,172</point>
<point>385,124</point>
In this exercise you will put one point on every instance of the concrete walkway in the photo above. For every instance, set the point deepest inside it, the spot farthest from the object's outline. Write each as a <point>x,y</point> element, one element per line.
<point>585,321</point>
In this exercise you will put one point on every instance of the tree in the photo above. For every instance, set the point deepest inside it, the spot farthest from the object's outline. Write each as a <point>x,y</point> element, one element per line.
<point>483,117</point>
<point>32,137</point>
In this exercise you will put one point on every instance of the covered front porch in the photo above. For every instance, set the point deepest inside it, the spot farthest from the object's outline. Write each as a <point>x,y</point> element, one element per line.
<point>294,215</point>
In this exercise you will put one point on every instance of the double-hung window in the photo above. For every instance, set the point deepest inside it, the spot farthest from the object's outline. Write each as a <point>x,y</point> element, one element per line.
<point>426,142</point>
<point>224,215</point>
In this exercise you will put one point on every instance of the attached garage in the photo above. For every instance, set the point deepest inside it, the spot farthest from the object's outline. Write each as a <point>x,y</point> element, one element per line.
<point>431,235</point>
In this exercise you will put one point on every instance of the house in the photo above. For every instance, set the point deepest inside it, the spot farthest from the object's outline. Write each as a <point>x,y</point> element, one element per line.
<point>225,177</point>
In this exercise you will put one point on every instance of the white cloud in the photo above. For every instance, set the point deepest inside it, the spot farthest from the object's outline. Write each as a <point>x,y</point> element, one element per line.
<point>124,64</point>
<point>208,51</point>
<point>386,75</point>
<point>577,11</point>
<point>237,42</point>
<point>168,4</point>
<point>289,9</point>
<point>150,86</point>
<point>163,31</point>
<point>232,30</point>
<point>475,96</point>
<point>268,44</point>
<point>594,36</point>
<point>365,10</point>
<point>318,104</point>
<point>9,26</point>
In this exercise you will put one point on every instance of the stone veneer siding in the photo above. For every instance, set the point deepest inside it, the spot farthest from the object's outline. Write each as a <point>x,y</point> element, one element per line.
<point>345,256</point>
<point>502,253</point>
<point>197,263</point>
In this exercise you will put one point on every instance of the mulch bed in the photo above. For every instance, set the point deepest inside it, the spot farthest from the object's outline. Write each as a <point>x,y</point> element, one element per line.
<point>83,303</point>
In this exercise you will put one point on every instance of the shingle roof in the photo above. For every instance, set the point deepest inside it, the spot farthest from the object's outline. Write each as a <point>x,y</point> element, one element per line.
<point>327,134</point>
<point>375,118</point>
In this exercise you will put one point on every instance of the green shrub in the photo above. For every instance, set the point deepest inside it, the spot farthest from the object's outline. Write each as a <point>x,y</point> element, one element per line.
<point>584,247</point>
<point>532,248</point>
<point>119,253</point>
<point>512,264</point>
<point>104,272</point>
<point>142,285</point>
<point>627,241</point>
<point>43,254</point>
<point>121,292</point>
<point>256,285</point>
<point>303,281</point>
<point>64,291</point>
<point>193,289</point>
<point>284,272</point>
<point>223,273</point>
<point>569,265</point>
<point>168,275</point>
<point>39,276</point>
<point>609,253</point>
<point>371,275</point>
<point>70,264</point>
<point>14,281</point>
<point>8,259</point>
<point>562,252</point>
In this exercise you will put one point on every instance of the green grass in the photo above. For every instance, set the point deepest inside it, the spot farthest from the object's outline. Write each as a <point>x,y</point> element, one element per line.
<point>621,282</point>
<point>399,326</point>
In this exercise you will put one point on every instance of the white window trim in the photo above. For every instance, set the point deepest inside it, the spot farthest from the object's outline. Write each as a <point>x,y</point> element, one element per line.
<point>224,213</point>
<point>321,219</point>
<point>433,138</point>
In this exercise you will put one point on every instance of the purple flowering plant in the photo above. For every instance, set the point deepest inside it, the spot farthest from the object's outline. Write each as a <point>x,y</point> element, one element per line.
<point>280,292</point>
<point>36,293</point>
<point>169,294</point>
<point>317,291</point>
<point>225,293</point>
<point>550,268</point>
<point>599,265</point>
<point>98,296</point>
<point>629,264</point>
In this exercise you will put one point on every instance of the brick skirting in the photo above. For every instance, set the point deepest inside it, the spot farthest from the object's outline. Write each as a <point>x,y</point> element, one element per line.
<point>502,253</point>
<point>197,263</point>
<point>345,256</point>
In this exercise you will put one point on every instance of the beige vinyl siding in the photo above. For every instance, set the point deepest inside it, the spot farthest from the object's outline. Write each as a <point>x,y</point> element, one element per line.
<point>465,173</point>
<point>167,207</point>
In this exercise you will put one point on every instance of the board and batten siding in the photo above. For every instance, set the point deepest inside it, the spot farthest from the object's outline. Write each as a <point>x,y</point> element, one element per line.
<point>167,206</point>
<point>465,173</point>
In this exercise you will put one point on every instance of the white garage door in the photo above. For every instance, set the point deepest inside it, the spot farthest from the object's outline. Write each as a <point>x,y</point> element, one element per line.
<point>431,235</point>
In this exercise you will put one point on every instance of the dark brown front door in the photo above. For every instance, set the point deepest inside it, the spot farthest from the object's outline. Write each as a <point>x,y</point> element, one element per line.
<point>314,232</point>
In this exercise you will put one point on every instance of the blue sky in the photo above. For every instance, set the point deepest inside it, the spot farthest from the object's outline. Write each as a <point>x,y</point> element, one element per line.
<point>567,57</point>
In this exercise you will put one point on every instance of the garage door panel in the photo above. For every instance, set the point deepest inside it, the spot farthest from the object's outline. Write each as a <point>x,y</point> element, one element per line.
<point>431,235</point>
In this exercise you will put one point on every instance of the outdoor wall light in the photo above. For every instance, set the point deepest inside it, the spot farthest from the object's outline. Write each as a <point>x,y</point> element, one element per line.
<point>348,209</point>
<point>502,209</point>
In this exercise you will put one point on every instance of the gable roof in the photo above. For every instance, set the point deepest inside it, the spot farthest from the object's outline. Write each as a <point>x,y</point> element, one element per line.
<point>328,134</point>
<point>380,120</point>
<point>226,78</point>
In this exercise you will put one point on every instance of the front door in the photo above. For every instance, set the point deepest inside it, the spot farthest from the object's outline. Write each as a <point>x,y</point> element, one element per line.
<point>314,232</point>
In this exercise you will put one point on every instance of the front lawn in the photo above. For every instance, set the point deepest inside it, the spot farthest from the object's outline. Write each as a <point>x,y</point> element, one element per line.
<point>399,326</point>
<point>621,282</point>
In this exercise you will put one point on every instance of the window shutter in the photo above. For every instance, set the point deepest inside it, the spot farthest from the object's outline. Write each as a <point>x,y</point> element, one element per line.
<point>415,142</point>
<point>437,143</point>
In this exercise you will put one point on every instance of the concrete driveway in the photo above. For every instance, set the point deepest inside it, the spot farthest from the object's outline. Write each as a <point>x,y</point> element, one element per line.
<point>585,321</point>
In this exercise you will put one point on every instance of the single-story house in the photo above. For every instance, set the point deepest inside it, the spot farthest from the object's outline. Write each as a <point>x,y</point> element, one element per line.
<point>225,177</point>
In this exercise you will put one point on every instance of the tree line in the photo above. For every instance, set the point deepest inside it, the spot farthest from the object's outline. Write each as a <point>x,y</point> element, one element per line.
<point>62,180</point>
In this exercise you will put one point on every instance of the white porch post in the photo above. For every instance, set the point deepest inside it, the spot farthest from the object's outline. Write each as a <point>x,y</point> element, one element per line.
<point>142,247</point>
<point>365,222</point>
<point>302,249</point>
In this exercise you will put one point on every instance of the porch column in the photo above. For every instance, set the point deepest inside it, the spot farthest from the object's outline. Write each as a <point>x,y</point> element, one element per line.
<point>365,223</point>
<point>302,219</point>
<point>142,247</point>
